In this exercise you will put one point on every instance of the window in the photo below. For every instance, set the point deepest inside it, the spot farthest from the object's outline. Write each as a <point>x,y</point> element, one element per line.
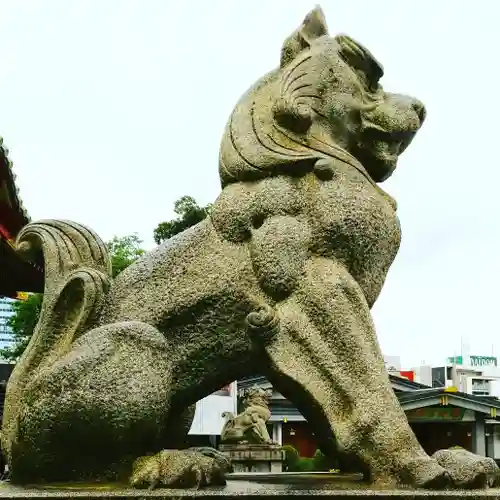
<point>480,387</point>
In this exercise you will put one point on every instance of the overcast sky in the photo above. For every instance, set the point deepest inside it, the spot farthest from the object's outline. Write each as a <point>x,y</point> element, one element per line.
<point>113,110</point>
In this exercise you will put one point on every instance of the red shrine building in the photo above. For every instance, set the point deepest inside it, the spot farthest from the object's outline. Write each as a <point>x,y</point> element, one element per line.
<point>17,276</point>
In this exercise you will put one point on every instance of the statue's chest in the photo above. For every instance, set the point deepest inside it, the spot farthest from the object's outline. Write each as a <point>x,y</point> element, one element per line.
<point>356,222</point>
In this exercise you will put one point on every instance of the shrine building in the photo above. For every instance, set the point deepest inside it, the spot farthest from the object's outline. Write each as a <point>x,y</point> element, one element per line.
<point>440,418</point>
<point>17,276</point>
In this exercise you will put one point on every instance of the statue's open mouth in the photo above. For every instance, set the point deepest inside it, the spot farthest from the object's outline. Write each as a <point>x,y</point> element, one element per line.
<point>379,155</point>
<point>392,151</point>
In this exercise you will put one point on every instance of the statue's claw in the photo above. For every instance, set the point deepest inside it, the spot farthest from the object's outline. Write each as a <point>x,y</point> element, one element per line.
<point>192,468</point>
<point>221,459</point>
<point>451,469</point>
<point>468,470</point>
<point>428,474</point>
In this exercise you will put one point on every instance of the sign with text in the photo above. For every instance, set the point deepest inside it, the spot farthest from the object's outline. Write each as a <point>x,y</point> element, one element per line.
<point>474,360</point>
<point>480,385</point>
<point>437,413</point>
<point>483,361</point>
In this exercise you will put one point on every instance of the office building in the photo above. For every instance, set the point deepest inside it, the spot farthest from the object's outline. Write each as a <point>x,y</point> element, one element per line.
<point>6,311</point>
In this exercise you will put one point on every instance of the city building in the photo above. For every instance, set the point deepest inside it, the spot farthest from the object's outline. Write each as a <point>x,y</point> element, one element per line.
<point>476,375</point>
<point>393,367</point>
<point>208,421</point>
<point>440,418</point>
<point>6,312</point>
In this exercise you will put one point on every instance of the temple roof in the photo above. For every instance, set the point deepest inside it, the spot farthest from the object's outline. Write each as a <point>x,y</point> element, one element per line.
<point>16,274</point>
<point>13,215</point>
<point>399,384</point>
<point>414,396</point>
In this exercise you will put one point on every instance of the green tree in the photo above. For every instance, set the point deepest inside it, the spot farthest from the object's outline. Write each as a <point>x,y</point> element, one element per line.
<point>122,250</point>
<point>22,323</point>
<point>189,213</point>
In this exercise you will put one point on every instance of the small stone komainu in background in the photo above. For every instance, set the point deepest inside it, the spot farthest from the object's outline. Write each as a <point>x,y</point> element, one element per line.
<point>249,426</point>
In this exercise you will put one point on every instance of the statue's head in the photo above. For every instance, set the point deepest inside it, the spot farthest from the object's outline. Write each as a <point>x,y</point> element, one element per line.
<point>256,396</point>
<point>325,100</point>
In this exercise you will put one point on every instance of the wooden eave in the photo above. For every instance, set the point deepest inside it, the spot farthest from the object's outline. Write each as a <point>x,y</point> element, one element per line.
<point>16,274</point>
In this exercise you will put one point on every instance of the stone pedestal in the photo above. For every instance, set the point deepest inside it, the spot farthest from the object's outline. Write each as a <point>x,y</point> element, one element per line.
<point>242,490</point>
<point>254,457</point>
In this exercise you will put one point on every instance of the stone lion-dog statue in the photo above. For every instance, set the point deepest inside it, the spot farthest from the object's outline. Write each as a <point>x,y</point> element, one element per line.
<point>278,281</point>
<point>249,426</point>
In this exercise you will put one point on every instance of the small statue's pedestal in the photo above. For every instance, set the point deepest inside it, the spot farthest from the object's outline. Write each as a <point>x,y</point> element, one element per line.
<point>254,457</point>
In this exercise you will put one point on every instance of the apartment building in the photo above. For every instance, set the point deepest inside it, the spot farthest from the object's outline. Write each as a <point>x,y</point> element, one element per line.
<point>6,312</point>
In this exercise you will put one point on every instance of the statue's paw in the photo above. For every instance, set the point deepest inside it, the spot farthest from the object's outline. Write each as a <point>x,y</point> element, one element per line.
<point>423,472</point>
<point>468,470</point>
<point>192,468</point>
<point>221,459</point>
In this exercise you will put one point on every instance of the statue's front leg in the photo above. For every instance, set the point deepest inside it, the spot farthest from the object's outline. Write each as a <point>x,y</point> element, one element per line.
<point>259,429</point>
<point>325,356</point>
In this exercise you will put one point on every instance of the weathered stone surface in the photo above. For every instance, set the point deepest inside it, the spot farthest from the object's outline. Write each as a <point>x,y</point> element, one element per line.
<point>467,469</point>
<point>247,457</point>
<point>298,488</point>
<point>250,425</point>
<point>279,281</point>
<point>180,469</point>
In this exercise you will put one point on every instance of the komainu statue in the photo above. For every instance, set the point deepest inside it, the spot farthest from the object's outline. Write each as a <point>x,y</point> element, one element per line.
<point>278,281</point>
<point>249,426</point>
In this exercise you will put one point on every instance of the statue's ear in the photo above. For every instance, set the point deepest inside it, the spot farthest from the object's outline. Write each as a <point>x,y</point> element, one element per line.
<point>313,27</point>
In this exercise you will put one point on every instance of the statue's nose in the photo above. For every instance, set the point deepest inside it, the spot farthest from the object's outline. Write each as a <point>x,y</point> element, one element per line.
<point>405,104</point>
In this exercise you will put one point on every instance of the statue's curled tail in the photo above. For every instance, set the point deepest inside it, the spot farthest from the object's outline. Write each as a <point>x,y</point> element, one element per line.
<point>77,272</point>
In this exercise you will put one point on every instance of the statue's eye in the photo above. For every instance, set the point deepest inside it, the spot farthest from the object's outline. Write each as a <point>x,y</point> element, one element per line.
<point>365,79</point>
<point>371,84</point>
<point>374,87</point>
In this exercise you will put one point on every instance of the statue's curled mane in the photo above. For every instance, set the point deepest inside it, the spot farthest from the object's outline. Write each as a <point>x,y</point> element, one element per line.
<point>278,126</point>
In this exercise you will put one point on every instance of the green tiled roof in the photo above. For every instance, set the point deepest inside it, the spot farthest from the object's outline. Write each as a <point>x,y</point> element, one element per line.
<point>420,395</point>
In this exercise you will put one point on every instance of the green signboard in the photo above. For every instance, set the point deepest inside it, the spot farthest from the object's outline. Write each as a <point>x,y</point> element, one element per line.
<point>438,413</point>
<point>474,360</point>
<point>483,361</point>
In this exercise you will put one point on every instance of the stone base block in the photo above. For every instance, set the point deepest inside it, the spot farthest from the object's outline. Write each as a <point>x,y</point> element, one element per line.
<point>240,490</point>
<point>254,457</point>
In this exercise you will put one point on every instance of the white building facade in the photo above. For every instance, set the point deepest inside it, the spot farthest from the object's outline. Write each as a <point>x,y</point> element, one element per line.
<point>476,375</point>
<point>6,311</point>
<point>208,420</point>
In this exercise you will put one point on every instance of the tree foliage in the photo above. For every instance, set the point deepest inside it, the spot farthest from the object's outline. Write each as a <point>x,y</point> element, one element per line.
<point>189,213</point>
<point>22,323</point>
<point>317,463</point>
<point>123,251</point>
